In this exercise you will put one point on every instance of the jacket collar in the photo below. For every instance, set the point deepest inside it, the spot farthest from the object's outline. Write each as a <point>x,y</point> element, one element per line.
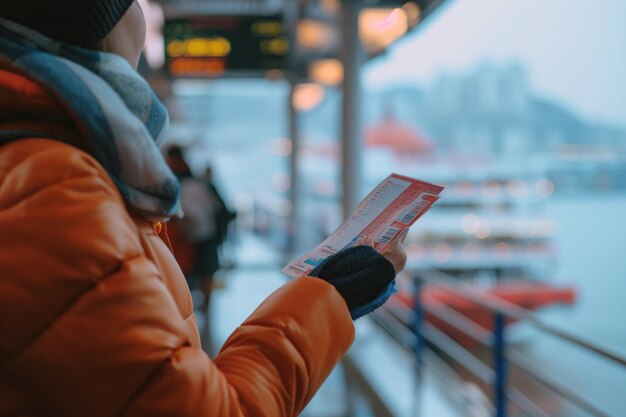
<point>28,109</point>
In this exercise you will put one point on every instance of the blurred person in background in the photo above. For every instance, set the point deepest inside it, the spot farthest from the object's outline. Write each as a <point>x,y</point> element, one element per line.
<point>197,236</point>
<point>223,217</point>
<point>183,248</point>
<point>95,315</point>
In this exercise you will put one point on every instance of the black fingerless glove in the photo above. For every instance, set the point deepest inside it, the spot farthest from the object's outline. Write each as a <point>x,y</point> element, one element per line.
<point>363,277</point>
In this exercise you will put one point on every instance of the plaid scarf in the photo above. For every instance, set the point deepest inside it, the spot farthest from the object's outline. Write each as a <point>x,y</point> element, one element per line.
<point>120,119</point>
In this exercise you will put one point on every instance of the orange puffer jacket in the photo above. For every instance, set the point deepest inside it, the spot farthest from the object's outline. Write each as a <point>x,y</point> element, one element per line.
<point>95,316</point>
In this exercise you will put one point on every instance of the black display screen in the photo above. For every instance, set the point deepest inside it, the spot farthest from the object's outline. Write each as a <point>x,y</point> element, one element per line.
<point>210,46</point>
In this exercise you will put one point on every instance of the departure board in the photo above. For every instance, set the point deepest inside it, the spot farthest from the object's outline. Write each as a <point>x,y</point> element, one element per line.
<point>211,46</point>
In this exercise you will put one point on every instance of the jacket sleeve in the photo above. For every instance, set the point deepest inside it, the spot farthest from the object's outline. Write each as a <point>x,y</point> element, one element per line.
<point>90,329</point>
<point>271,365</point>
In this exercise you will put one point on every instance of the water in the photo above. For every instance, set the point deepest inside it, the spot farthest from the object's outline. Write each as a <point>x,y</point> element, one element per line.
<point>592,242</point>
<point>591,239</point>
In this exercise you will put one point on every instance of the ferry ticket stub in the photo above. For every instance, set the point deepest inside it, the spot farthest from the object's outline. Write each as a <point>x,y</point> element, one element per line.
<point>390,208</point>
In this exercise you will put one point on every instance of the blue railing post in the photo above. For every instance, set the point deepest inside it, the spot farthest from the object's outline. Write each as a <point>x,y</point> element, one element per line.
<point>418,348</point>
<point>500,366</point>
<point>418,319</point>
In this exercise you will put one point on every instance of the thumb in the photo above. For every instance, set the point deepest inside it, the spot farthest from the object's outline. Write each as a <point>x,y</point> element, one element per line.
<point>402,236</point>
<point>366,241</point>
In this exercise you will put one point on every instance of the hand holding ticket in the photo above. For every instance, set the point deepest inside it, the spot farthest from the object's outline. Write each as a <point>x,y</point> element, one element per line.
<point>390,208</point>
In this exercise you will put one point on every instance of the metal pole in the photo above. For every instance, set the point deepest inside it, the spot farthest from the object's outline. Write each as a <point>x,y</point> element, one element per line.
<point>500,366</point>
<point>291,19</point>
<point>294,175</point>
<point>351,56</point>
<point>418,349</point>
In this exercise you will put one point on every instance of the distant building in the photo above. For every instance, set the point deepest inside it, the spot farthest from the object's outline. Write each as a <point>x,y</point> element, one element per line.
<point>489,114</point>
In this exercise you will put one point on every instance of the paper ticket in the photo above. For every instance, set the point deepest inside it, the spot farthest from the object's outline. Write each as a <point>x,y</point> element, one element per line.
<point>390,208</point>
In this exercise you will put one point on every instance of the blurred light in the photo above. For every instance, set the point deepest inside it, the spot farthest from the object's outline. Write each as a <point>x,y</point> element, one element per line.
<point>464,188</point>
<point>199,47</point>
<point>442,253</point>
<point>413,13</point>
<point>281,182</point>
<point>176,48</point>
<point>490,188</point>
<point>264,28</point>
<point>470,252</point>
<point>197,67</point>
<point>517,188</point>
<point>275,46</point>
<point>312,34</point>
<point>484,230</point>
<point>308,96</point>
<point>544,188</point>
<point>470,223</point>
<point>379,28</point>
<point>326,71</point>
<point>502,250</point>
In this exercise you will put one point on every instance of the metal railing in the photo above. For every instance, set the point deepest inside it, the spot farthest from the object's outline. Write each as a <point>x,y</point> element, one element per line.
<point>409,328</point>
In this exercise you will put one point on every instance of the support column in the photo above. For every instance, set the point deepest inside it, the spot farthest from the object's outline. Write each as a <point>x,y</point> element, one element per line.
<point>291,13</point>
<point>351,146</point>
<point>294,174</point>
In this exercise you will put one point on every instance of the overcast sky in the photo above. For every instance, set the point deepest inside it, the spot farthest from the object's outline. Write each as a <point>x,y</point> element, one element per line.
<point>574,50</point>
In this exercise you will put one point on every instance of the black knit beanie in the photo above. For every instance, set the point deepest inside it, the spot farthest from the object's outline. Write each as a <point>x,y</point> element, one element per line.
<point>80,22</point>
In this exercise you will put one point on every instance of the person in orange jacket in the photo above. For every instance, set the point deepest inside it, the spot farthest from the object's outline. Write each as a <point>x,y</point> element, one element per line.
<point>95,315</point>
